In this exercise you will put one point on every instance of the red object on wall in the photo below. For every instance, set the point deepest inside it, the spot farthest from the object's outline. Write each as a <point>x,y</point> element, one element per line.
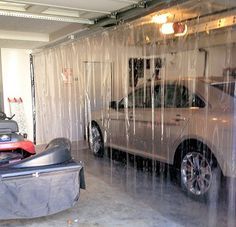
<point>179,27</point>
<point>16,100</point>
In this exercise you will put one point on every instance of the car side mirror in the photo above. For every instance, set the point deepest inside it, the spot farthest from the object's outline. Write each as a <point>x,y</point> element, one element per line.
<point>197,102</point>
<point>121,106</point>
<point>113,104</point>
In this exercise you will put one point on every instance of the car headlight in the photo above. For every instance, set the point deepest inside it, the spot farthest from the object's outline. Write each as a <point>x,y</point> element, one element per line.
<point>5,138</point>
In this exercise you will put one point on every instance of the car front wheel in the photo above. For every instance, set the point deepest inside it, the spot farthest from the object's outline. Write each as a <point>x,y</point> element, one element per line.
<point>96,140</point>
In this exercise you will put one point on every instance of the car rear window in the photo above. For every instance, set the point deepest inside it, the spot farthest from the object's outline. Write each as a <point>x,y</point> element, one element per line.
<point>228,88</point>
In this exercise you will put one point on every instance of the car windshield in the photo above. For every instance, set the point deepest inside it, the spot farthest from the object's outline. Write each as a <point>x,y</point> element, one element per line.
<point>228,88</point>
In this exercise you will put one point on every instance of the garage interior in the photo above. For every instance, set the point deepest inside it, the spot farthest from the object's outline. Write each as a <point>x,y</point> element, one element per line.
<point>67,61</point>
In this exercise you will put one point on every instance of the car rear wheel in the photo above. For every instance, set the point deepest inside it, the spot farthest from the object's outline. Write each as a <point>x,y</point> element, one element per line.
<point>200,177</point>
<point>96,140</point>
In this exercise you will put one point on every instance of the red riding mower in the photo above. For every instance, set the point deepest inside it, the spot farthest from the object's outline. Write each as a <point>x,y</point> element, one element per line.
<point>13,145</point>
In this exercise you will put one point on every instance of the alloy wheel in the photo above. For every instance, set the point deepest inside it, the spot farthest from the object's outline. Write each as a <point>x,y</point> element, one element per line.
<point>95,140</point>
<point>196,173</point>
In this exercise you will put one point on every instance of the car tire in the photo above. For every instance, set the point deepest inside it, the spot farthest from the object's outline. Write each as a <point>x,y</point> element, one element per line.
<point>96,143</point>
<point>200,175</point>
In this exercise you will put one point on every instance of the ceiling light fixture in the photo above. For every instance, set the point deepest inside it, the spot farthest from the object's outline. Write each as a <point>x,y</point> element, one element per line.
<point>147,39</point>
<point>167,29</point>
<point>160,19</point>
<point>11,13</point>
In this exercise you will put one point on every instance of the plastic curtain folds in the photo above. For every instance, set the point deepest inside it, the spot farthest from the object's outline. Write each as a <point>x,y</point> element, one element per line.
<point>173,86</point>
<point>74,79</point>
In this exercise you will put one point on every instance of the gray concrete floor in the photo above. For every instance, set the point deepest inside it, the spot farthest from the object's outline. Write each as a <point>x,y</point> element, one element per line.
<point>118,194</point>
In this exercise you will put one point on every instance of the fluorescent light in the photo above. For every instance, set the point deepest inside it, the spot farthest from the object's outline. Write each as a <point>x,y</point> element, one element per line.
<point>12,6</point>
<point>167,29</point>
<point>11,13</point>
<point>61,12</point>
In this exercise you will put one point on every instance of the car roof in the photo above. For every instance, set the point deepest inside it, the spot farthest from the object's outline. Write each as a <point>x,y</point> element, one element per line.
<point>218,80</point>
<point>202,85</point>
<point>207,80</point>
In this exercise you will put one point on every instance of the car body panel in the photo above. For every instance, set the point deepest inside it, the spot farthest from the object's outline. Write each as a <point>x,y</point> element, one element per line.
<point>157,132</point>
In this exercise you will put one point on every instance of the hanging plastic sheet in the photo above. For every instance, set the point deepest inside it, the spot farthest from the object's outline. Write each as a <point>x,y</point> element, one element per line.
<point>161,88</point>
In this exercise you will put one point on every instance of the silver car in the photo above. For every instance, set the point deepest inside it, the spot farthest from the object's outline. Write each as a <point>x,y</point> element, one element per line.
<point>187,123</point>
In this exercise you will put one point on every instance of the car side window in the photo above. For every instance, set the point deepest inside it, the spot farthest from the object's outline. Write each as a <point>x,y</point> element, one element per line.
<point>172,96</point>
<point>176,96</point>
<point>165,96</point>
<point>157,96</point>
<point>141,98</point>
<point>183,97</point>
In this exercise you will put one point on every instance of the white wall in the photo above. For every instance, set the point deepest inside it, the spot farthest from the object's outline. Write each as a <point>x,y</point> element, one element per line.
<point>190,63</point>
<point>16,83</point>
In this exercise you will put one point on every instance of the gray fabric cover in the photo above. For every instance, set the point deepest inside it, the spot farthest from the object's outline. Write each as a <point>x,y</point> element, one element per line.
<point>43,184</point>
<point>30,197</point>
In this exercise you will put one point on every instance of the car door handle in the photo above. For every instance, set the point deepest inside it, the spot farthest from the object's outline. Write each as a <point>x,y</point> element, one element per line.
<point>179,118</point>
<point>131,117</point>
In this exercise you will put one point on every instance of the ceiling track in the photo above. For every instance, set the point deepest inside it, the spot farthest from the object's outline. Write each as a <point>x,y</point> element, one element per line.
<point>126,15</point>
<point>142,8</point>
<point>130,13</point>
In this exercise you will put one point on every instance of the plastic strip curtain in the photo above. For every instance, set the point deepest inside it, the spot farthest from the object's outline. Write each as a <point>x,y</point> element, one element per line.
<point>172,74</point>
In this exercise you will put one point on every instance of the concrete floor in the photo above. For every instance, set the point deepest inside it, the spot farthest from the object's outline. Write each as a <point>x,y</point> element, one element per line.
<point>118,194</point>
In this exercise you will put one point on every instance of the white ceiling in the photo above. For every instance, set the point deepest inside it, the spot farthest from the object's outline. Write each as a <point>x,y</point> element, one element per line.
<point>23,32</point>
<point>92,5</point>
<point>33,25</point>
<point>16,31</point>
